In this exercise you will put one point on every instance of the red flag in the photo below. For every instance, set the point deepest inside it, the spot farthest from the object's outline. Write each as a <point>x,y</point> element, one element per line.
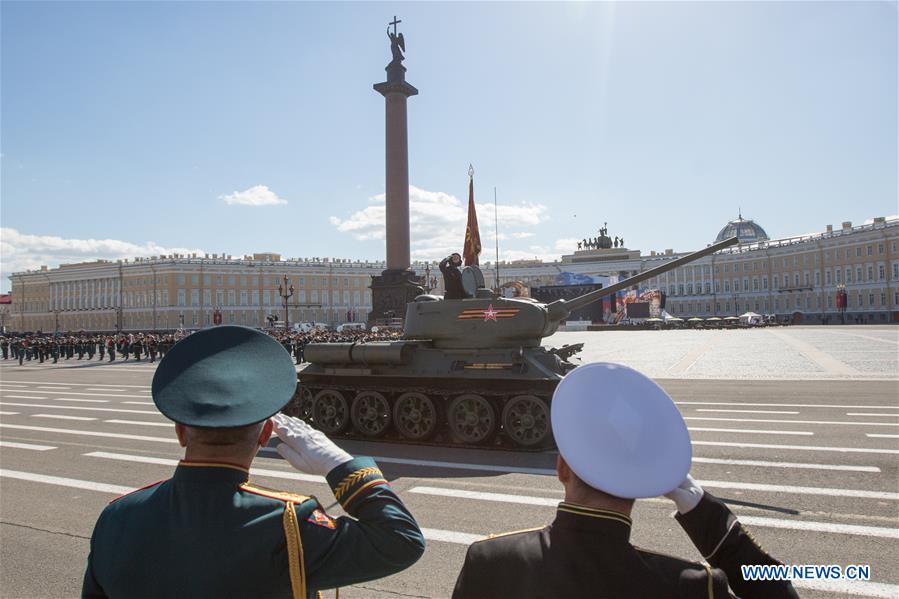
<point>472,234</point>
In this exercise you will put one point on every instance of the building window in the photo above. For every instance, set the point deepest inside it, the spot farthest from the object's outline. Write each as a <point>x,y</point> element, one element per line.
<point>218,279</point>
<point>896,270</point>
<point>755,284</point>
<point>764,282</point>
<point>883,299</point>
<point>255,297</point>
<point>232,295</point>
<point>870,250</point>
<point>858,252</point>
<point>829,301</point>
<point>194,297</point>
<point>243,296</point>
<point>796,279</point>
<point>858,274</point>
<point>180,297</point>
<point>736,284</point>
<point>302,296</point>
<point>194,280</point>
<point>207,279</point>
<point>745,284</point>
<point>870,273</point>
<point>207,297</point>
<point>219,297</point>
<point>267,297</point>
<point>255,282</point>
<point>881,272</point>
<point>180,279</point>
<point>871,299</point>
<point>818,277</point>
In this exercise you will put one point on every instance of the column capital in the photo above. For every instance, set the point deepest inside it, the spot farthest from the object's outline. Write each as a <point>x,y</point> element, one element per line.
<point>395,87</point>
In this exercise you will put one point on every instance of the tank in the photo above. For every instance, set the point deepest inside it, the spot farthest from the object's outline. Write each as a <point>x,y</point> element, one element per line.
<point>471,371</point>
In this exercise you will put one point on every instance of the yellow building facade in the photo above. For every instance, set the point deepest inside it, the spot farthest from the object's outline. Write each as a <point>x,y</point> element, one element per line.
<point>795,278</point>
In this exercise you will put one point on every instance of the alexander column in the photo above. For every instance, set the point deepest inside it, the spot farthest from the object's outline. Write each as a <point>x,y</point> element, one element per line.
<point>396,286</point>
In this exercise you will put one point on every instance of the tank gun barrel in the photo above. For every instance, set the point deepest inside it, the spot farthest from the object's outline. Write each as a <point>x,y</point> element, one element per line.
<point>560,309</point>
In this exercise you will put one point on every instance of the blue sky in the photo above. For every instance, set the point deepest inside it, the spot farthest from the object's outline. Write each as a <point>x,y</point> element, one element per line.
<point>128,127</point>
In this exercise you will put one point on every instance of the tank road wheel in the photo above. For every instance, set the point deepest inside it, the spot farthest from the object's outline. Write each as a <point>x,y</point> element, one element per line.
<point>330,412</point>
<point>370,414</point>
<point>415,416</point>
<point>472,418</point>
<point>300,404</point>
<point>526,420</point>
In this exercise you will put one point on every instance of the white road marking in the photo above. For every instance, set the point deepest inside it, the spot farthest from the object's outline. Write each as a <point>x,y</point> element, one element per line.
<point>22,397</point>
<point>62,417</point>
<point>882,436</point>
<point>110,389</point>
<point>30,446</point>
<point>524,499</point>
<point>66,482</point>
<point>8,413</point>
<point>451,536</point>
<point>782,405</point>
<point>744,411</point>
<point>76,384</point>
<point>143,423</point>
<point>16,386</point>
<point>40,387</point>
<point>67,431</point>
<point>798,447</point>
<point>845,529</point>
<point>794,490</point>
<point>869,414</point>
<point>782,421</point>
<point>484,496</point>
<point>552,471</point>
<point>802,466</point>
<point>140,403</point>
<point>169,462</point>
<point>747,431</point>
<point>81,400</point>
<point>38,405</point>
<point>88,394</point>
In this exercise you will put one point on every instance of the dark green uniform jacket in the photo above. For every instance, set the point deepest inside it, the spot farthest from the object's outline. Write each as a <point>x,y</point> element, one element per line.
<point>586,552</point>
<point>206,532</point>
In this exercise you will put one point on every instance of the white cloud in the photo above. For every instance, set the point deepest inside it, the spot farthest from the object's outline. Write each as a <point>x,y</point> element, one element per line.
<point>258,195</point>
<point>20,251</point>
<point>437,221</point>
<point>566,245</point>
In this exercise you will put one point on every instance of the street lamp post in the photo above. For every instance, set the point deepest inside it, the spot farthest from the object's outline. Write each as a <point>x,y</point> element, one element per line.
<point>285,290</point>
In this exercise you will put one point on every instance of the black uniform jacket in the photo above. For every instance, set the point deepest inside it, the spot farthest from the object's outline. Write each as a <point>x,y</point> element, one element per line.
<point>206,532</point>
<point>586,552</point>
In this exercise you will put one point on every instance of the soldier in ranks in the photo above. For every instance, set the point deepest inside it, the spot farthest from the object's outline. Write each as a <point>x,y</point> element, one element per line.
<point>152,347</point>
<point>110,345</point>
<point>586,550</point>
<point>90,345</point>
<point>101,346</point>
<point>4,347</point>
<point>207,531</point>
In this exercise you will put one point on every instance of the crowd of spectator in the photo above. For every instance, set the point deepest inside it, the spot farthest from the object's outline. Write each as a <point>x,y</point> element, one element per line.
<point>149,345</point>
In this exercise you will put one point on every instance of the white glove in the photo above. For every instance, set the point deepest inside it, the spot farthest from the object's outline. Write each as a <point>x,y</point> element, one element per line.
<point>687,495</point>
<point>307,449</point>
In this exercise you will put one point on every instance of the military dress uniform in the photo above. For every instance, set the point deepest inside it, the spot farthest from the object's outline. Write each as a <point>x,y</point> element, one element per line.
<point>237,539</point>
<point>208,532</point>
<point>586,552</point>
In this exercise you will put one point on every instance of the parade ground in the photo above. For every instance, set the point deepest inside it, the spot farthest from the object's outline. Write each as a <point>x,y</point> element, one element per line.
<point>796,428</point>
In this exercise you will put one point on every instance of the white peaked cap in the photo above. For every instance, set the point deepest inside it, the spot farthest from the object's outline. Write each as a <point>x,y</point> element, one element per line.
<point>620,432</point>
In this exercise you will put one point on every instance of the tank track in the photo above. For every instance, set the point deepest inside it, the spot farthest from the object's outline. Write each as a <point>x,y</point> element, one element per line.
<point>497,393</point>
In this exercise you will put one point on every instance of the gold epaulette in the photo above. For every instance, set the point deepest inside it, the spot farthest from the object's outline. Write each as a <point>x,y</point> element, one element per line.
<point>274,494</point>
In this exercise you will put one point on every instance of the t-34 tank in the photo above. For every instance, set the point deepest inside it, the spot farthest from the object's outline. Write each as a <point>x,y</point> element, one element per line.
<point>470,371</point>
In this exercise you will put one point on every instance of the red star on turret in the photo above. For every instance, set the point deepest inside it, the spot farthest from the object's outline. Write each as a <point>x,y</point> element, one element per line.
<point>490,313</point>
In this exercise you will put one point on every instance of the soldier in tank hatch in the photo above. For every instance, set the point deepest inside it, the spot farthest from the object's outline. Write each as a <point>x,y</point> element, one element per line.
<point>452,277</point>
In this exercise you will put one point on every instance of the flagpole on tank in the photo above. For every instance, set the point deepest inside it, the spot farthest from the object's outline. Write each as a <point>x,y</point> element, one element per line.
<point>496,235</point>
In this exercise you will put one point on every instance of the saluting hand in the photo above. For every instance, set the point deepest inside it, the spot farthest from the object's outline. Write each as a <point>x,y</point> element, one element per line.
<point>687,495</point>
<point>307,449</point>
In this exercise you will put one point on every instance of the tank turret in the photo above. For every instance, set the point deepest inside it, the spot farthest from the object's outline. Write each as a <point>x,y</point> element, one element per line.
<point>515,322</point>
<point>470,371</point>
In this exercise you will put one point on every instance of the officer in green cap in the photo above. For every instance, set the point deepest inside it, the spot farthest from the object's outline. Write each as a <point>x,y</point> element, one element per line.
<point>207,531</point>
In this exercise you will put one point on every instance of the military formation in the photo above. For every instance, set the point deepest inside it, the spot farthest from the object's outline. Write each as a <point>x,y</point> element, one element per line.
<point>149,346</point>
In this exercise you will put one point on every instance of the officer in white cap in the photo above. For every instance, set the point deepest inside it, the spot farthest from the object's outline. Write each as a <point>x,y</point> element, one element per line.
<point>620,438</point>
